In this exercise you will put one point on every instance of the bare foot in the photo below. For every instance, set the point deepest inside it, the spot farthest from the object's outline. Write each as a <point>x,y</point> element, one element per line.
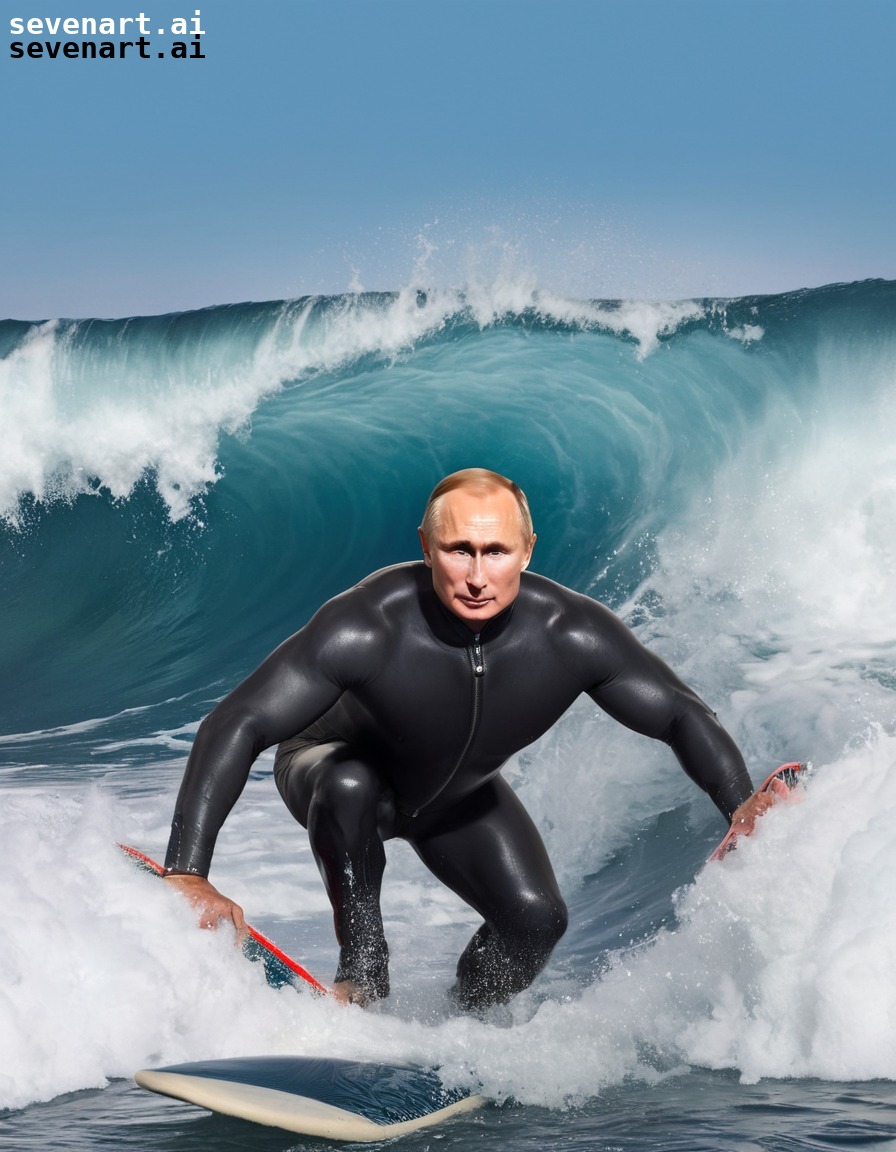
<point>348,992</point>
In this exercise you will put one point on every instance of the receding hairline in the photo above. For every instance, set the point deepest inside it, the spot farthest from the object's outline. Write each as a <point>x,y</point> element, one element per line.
<point>479,482</point>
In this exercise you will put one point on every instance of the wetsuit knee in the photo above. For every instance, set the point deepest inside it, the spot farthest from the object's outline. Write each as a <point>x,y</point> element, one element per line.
<point>537,921</point>
<point>329,777</point>
<point>348,797</point>
<point>348,783</point>
<point>505,957</point>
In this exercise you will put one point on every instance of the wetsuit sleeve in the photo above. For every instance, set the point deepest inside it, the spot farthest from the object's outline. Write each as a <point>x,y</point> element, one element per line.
<point>638,689</point>
<point>294,686</point>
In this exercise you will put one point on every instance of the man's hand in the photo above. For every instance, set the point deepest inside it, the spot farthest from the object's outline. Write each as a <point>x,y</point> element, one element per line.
<point>744,818</point>
<point>208,901</point>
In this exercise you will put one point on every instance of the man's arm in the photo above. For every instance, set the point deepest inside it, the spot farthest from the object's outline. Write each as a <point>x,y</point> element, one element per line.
<point>294,686</point>
<point>638,689</point>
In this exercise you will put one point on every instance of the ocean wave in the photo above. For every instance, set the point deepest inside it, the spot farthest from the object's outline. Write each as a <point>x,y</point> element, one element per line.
<point>95,406</point>
<point>183,492</point>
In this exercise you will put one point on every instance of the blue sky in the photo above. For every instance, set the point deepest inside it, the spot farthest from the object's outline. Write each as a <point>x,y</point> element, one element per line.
<point>658,148</point>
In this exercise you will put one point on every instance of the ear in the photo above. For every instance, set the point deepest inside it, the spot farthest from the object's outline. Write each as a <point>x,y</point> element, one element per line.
<point>427,559</point>
<point>527,556</point>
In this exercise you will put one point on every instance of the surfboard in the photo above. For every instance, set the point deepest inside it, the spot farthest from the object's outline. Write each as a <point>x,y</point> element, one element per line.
<point>279,969</point>
<point>316,1096</point>
<point>780,783</point>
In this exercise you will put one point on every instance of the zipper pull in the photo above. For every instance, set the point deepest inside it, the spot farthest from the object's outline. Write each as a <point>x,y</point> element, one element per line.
<point>478,661</point>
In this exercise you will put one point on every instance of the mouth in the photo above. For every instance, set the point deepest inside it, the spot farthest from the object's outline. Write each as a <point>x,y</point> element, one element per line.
<point>470,602</point>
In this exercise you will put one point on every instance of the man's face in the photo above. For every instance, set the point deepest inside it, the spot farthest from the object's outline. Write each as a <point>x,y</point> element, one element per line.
<point>477,554</point>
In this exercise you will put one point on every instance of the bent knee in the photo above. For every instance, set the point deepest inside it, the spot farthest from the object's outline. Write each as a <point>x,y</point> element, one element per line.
<point>327,777</point>
<point>349,783</point>
<point>540,919</point>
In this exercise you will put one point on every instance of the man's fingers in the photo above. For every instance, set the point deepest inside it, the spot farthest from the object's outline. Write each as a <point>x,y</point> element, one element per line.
<point>213,912</point>
<point>211,905</point>
<point>745,817</point>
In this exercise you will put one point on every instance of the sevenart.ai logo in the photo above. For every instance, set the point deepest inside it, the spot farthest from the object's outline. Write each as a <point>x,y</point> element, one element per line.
<point>106,38</point>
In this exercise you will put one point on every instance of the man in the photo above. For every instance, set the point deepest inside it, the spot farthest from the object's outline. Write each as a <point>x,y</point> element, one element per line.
<point>395,708</point>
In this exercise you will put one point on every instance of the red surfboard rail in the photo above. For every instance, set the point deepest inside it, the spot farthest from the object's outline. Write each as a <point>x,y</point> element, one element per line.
<point>781,783</point>
<point>278,966</point>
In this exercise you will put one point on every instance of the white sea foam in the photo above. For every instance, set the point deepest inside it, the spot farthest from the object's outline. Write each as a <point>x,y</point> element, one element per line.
<point>103,972</point>
<point>746,333</point>
<point>776,584</point>
<point>71,427</point>
<point>780,965</point>
<point>798,935</point>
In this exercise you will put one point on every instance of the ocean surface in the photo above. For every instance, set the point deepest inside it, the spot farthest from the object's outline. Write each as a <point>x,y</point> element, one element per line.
<point>179,493</point>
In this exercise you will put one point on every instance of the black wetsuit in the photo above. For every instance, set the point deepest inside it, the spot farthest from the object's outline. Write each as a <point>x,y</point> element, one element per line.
<point>394,719</point>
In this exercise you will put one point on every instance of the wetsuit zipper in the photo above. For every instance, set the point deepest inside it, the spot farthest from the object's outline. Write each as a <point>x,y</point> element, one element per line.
<point>477,667</point>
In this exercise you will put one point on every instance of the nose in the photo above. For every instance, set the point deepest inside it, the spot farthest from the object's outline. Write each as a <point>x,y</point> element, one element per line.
<point>476,573</point>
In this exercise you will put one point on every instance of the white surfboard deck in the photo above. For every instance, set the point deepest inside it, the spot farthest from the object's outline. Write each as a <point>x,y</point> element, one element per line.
<point>315,1096</point>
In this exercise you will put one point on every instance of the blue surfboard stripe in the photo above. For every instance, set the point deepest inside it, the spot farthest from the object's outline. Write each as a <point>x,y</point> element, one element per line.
<point>382,1093</point>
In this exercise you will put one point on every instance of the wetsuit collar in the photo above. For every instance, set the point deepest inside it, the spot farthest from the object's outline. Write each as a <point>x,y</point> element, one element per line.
<point>447,627</point>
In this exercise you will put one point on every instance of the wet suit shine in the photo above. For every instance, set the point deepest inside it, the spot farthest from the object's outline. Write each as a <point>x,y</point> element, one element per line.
<point>394,719</point>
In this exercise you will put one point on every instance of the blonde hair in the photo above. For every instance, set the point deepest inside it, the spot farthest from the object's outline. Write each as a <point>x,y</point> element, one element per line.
<point>481,482</point>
